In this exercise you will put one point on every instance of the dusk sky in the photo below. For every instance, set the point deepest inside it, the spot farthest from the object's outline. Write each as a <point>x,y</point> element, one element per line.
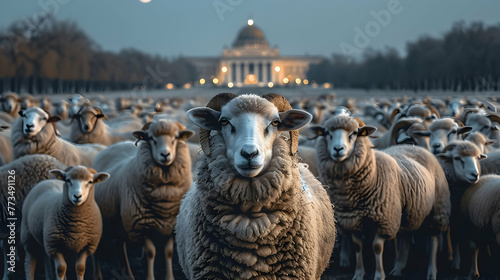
<point>196,28</point>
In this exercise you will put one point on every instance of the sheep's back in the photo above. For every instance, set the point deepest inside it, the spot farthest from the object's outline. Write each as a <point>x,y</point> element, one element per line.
<point>481,202</point>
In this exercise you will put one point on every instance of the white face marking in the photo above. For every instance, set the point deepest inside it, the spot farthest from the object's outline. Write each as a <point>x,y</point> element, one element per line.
<point>78,190</point>
<point>466,168</point>
<point>163,149</point>
<point>34,121</point>
<point>249,139</point>
<point>340,144</point>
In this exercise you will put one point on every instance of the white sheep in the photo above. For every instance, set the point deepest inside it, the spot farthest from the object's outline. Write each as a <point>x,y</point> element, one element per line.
<point>460,161</point>
<point>491,164</point>
<point>10,103</point>
<point>88,127</point>
<point>24,173</point>
<point>140,202</point>
<point>5,147</point>
<point>443,131</point>
<point>35,133</point>
<point>62,219</point>
<point>387,192</point>
<point>412,131</point>
<point>254,211</point>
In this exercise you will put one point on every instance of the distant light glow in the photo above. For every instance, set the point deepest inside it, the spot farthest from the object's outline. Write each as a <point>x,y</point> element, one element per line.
<point>277,68</point>
<point>298,81</point>
<point>215,80</point>
<point>327,85</point>
<point>187,85</point>
<point>285,80</point>
<point>169,86</point>
<point>230,85</point>
<point>305,81</point>
<point>250,21</point>
<point>270,84</point>
<point>202,81</point>
<point>145,1</point>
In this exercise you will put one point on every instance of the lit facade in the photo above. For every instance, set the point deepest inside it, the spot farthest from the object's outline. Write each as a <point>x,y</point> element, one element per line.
<point>252,62</point>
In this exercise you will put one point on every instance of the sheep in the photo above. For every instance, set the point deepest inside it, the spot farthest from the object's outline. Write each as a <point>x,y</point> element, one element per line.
<point>139,204</point>
<point>488,124</point>
<point>308,156</point>
<point>387,192</point>
<point>89,127</point>
<point>460,161</point>
<point>26,171</point>
<point>480,205</point>
<point>10,104</point>
<point>411,131</point>
<point>35,133</point>
<point>455,107</point>
<point>443,131</point>
<point>254,212</point>
<point>61,219</point>
<point>491,164</point>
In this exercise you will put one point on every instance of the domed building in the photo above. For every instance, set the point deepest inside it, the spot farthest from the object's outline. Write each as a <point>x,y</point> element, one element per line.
<point>252,62</point>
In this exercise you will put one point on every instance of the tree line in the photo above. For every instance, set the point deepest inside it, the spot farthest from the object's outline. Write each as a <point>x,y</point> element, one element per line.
<point>467,57</point>
<point>57,56</point>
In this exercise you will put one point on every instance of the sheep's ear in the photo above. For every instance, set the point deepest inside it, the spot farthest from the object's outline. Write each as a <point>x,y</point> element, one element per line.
<point>482,156</point>
<point>58,174</point>
<point>54,119</point>
<point>366,130</point>
<point>21,113</point>
<point>422,133</point>
<point>205,118</point>
<point>293,119</point>
<point>185,134</point>
<point>100,177</point>
<point>317,131</point>
<point>463,130</point>
<point>489,142</point>
<point>140,135</point>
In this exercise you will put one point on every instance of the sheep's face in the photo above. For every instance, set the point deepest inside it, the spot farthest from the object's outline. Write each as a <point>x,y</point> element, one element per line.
<point>441,136</point>
<point>249,124</point>
<point>76,103</point>
<point>480,123</point>
<point>8,104</point>
<point>61,109</point>
<point>163,136</point>
<point>464,156</point>
<point>79,180</point>
<point>87,119</point>
<point>455,107</point>
<point>341,139</point>
<point>34,119</point>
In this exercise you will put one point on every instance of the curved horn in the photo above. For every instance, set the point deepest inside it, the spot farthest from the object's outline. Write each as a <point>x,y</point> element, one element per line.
<point>360,122</point>
<point>433,110</point>
<point>494,117</point>
<point>404,123</point>
<point>449,147</point>
<point>282,105</point>
<point>394,113</point>
<point>216,103</point>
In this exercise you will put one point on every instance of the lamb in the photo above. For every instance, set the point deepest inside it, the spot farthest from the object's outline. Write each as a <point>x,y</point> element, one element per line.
<point>35,133</point>
<point>388,191</point>
<point>480,205</point>
<point>443,131</point>
<point>254,212</point>
<point>26,171</point>
<point>89,127</point>
<point>62,220</point>
<point>140,202</point>
<point>460,163</point>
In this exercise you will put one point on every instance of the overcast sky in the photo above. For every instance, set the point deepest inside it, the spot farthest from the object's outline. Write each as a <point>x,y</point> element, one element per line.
<point>204,27</point>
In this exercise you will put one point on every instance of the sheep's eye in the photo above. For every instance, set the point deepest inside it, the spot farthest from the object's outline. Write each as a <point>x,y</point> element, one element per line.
<point>352,135</point>
<point>456,158</point>
<point>90,182</point>
<point>275,122</point>
<point>224,121</point>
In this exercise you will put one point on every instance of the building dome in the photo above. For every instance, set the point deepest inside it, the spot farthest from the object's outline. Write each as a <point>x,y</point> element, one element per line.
<point>251,36</point>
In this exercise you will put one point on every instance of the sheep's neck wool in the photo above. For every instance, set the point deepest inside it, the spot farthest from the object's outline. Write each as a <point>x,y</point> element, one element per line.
<point>251,226</point>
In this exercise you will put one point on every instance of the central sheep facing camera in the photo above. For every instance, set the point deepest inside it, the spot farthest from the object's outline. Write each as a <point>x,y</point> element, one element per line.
<point>254,211</point>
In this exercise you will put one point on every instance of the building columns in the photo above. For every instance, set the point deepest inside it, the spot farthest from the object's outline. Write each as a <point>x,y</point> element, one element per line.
<point>264,72</point>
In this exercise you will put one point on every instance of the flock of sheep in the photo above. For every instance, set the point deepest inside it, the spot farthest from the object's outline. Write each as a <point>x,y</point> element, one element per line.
<point>245,195</point>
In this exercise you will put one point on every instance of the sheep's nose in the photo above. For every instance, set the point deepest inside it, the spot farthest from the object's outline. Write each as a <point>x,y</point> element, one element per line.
<point>77,196</point>
<point>29,125</point>
<point>474,175</point>
<point>338,148</point>
<point>86,127</point>
<point>436,145</point>
<point>249,154</point>
<point>165,156</point>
